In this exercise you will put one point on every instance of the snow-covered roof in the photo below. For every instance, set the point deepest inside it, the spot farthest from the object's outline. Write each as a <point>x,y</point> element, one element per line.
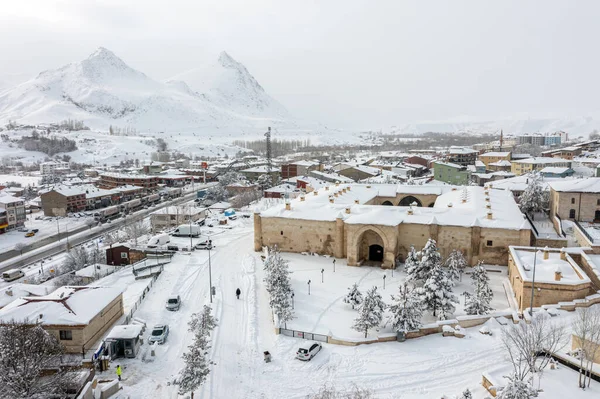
<point>555,169</point>
<point>9,199</point>
<point>15,291</point>
<point>479,164</point>
<point>502,162</point>
<point>543,160</point>
<point>545,269</point>
<point>461,150</point>
<point>126,176</point>
<point>472,212</point>
<point>589,185</point>
<point>68,305</point>
<point>496,154</point>
<point>449,164</point>
<point>94,270</point>
<point>282,188</point>
<point>128,331</point>
<point>332,176</point>
<point>260,169</point>
<point>67,191</point>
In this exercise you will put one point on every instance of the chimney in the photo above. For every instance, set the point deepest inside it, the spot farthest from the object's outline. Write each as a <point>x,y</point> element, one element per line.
<point>464,200</point>
<point>337,183</point>
<point>356,201</point>
<point>315,192</point>
<point>449,204</point>
<point>326,188</point>
<point>348,188</point>
<point>368,186</point>
<point>288,206</point>
<point>302,198</point>
<point>546,253</point>
<point>335,194</point>
<point>490,215</point>
<point>410,211</point>
<point>563,254</point>
<point>488,206</point>
<point>331,199</point>
<point>557,274</point>
<point>344,190</point>
<point>348,210</point>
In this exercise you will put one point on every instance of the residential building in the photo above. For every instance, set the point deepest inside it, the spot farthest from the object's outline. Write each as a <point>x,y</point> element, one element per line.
<point>61,200</point>
<point>494,156</point>
<point>53,167</point>
<point>13,209</point>
<point>500,166</point>
<point>113,180</point>
<point>544,139</point>
<point>451,173</point>
<point>537,164</point>
<point>76,316</point>
<point>564,153</point>
<point>123,254</point>
<point>173,216</point>
<point>553,171</point>
<point>576,199</point>
<point>255,172</point>
<point>461,156</point>
<point>331,177</point>
<point>298,168</point>
<point>359,172</point>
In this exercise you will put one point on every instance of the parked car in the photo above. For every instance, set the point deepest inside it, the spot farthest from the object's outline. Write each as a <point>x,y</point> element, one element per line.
<point>35,230</point>
<point>173,303</point>
<point>30,234</point>
<point>245,215</point>
<point>308,354</point>
<point>159,334</point>
<point>23,229</point>
<point>233,217</point>
<point>172,248</point>
<point>46,277</point>
<point>204,245</point>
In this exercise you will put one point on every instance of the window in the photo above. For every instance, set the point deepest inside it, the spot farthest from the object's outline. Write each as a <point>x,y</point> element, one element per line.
<point>281,232</point>
<point>490,243</point>
<point>123,255</point>
<point>65,335</point>
<point>572,214</point>
<point>598,202</point>
<point>572,200</point>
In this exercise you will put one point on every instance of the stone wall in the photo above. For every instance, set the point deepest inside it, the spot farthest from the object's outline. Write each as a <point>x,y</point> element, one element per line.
<point>296,235</point>
<point>585,205</point>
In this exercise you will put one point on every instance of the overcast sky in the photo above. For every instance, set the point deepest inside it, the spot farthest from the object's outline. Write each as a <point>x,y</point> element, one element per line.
<point>345,63</point>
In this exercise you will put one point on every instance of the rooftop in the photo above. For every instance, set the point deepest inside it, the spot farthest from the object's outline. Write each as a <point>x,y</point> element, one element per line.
<point>542,160</point>
<point>545,269</point>
<point>496,154</point>
<point>589,185</point>
<point>68,305</point>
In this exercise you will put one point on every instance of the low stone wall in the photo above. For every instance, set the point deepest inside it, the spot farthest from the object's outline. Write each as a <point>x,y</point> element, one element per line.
<point>487,384</point>
<point>551,242</point>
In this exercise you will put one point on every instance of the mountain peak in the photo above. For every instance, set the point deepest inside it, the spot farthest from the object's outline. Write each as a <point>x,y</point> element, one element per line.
<point>103,63</point>
<point>226,60</point>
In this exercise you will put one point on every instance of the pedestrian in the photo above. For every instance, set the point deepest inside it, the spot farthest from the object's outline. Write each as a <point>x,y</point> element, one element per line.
<point>237,293</point>
<point>119,372</point>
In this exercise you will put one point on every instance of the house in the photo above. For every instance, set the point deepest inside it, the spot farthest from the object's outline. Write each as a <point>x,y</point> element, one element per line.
<point>284,190</point>
<point>451,173</point>
<point>123,254</point>
<point>554,171</point>
<point>255,172</point>
<point>502,165</point>
<point>241,187</point>
<point>564,153</point>
<point>330,177</point>
<point>123,341</point>
<point>12,212</point>
<point>299,168</point>
<point>53,167</point>
<point>76,316</point>
<point>360,172</point>
<point>534,164</point>
<point>494,156</point>
<point>461,156</point>
<point>576,199</point>
<point>173,216</point>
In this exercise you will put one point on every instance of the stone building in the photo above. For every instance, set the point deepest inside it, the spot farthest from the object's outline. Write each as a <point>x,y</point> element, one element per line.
<point>376,224</point>
<point>493,157</point>
<point>63,199</point>
<point>76,316</point>
<point>577,199</point>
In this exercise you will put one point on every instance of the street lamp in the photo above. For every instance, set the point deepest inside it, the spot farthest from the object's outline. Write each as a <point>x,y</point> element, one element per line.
<point>308,287</point>
<point>322,271</point>
<point>334,265</point>
<point>384,276</point>
<point>210,271</point>
<point>292,300</point>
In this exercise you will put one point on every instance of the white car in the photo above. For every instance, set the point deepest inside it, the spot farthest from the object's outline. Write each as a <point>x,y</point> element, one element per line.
<point>308,354</point>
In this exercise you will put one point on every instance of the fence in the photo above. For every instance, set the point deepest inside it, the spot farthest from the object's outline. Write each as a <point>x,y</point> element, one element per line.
<point>304,335</point>
<point>584,232</point>
<point>140,299</point>
<point>532,225</point>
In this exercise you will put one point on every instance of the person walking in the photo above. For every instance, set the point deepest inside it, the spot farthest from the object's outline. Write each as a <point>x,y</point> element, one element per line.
<point>237,293</point>
<point>119,372</point>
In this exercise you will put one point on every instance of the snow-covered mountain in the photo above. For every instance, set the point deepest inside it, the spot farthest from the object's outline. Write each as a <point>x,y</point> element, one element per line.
<point>102,90</point>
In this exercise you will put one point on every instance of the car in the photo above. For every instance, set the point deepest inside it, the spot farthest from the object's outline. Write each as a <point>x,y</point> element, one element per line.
<point>308,354</point>
<point>246,216</point>
<point>159,334</point>
<point>23,229</point>
<point>30,234</point>
<point>173,303</point>
<point>233,217</point>
<point>45,278</point>
<point>35,230</point>
<point>204,245</point>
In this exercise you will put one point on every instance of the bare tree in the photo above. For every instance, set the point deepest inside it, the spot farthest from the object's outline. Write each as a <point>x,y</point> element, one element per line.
<point>20,247</point>
<point>330,392</point>
<point>529,346</point>
<point>135,230</point>
<point>25,351</point>
<point>586,327</point>
<point>91,223</point>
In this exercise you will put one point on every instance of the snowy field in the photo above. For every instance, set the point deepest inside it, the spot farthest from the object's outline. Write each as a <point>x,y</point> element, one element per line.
<point>324,312</point>
<point>427,367</point>
<point>24,180</point>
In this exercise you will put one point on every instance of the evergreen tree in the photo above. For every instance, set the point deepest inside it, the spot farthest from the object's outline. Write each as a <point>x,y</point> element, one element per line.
<point>437,295</point>
<point>517,389</point>
<point>354,296</point>
<point>370,312</point>
<point>197,364</point>
<point>279,286</point>
<point>430,259</point>
<point>412,264</point>
<point>533,198</point>
<point>455,266</point>
<point>407,309</point>
<point>479,302</point>
<point>466,394</point>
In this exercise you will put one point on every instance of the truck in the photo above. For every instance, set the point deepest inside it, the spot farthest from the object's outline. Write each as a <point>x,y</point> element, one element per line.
<point>157,240</point>
<point>12,274</point>
<point>132,205</point>
<point>186,230</point>
<point>107,213</point>
<point>151,199</point>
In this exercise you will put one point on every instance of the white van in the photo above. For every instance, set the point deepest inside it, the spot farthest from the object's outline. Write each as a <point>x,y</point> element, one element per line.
<point>12,274</point>
<point>158,240</point>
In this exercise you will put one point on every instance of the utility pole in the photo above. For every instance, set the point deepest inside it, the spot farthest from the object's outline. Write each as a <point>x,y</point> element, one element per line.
<point>533,282</point>
<point>209,270</point>
<point>269,154</point>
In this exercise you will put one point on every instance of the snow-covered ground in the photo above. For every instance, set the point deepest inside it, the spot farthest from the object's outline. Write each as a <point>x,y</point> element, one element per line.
<point>24,180</point>
<point>427,367</point>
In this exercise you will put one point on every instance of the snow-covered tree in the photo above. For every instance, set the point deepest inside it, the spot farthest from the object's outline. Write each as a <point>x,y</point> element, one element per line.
<point>197,363</point>
<point>479,302</point>
<point>412,264</point>
<point>406,310</point>
<point>430,259</point>
<point>455,266</point>
<point>135,230</point>
<point>370,312</point>
<point>437,295</point>
<point>466,394</point>
<point>279,286</point>
<point>265,181</point>
<point>354,296</point>
<point>26,350</point>
<point>229,178</point>
<point>517,389</point>
<point>216,194</point>
<point>20,247</point>
<point>533,198</point>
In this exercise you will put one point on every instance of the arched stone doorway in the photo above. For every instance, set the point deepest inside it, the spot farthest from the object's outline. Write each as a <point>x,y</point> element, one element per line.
<point>407,201</point>
<point>371,248</point>
<point>387,203</point>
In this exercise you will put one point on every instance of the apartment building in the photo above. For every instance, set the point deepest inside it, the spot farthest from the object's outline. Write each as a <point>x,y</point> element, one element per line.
<point>536,164</point>
<point>461,156</point>
<point>61,200</point>
<point>53,167</point>
<point>495,156</point>
<point>12,212</point>
<point>298,168</point>
<point>112,180</point>
<point>451,173</point>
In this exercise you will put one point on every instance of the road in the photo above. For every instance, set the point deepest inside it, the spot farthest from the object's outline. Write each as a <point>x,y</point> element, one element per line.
<point>51,246</point>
